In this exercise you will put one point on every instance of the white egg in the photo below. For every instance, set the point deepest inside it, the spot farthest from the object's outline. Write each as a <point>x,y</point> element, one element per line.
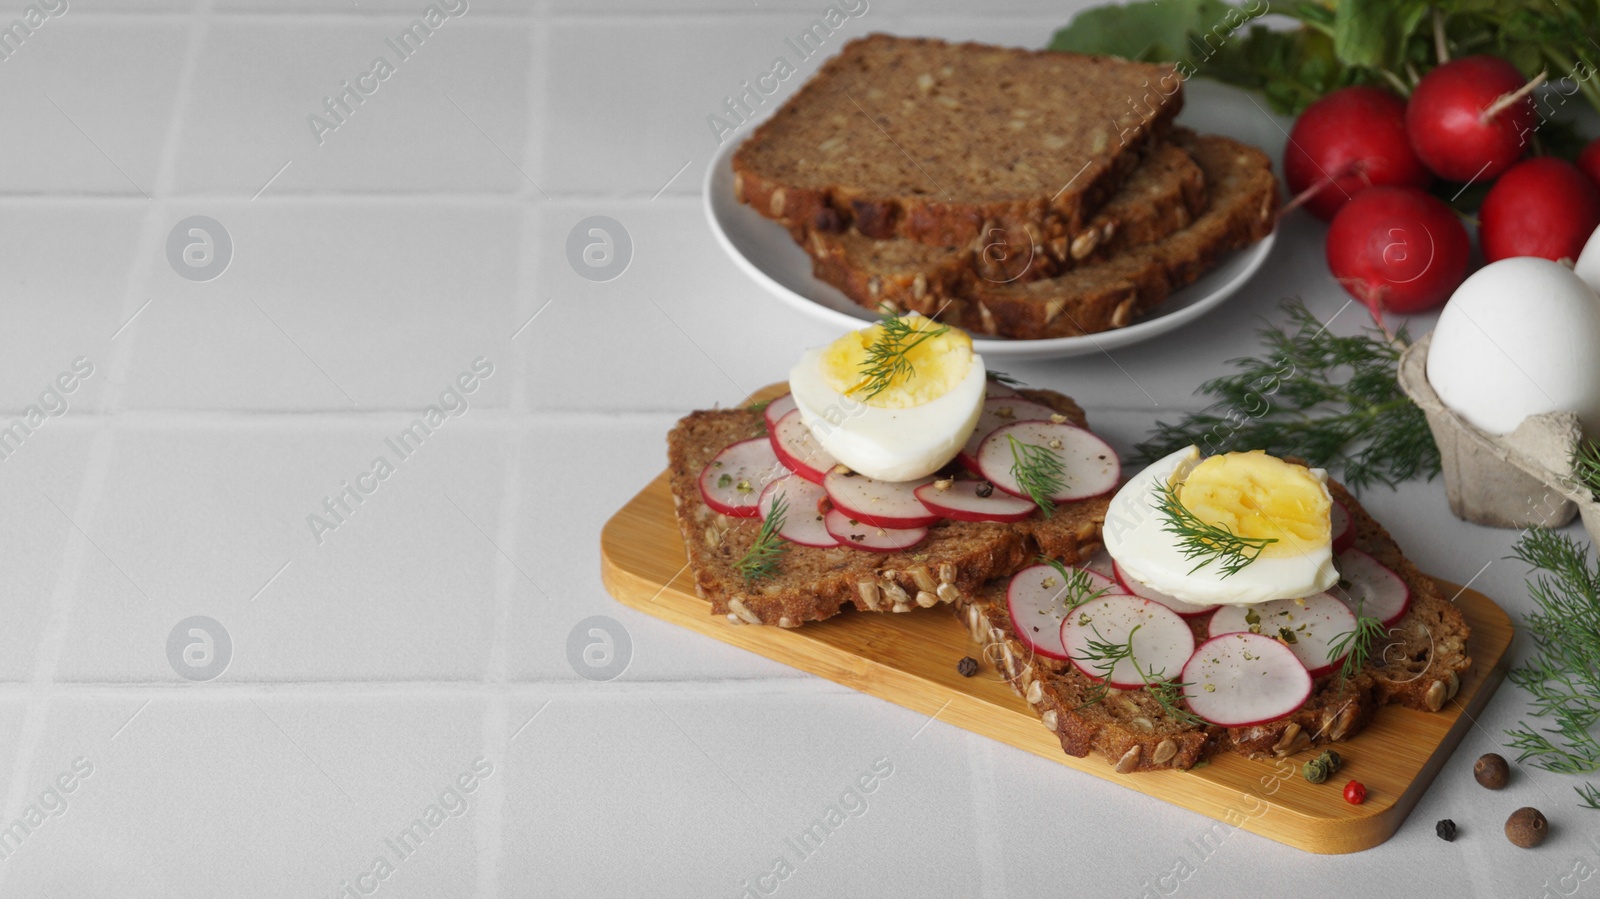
<point>1135,535</point>
<point>887,444</point>
<point>1519,337</point>
<point>1588,267</point>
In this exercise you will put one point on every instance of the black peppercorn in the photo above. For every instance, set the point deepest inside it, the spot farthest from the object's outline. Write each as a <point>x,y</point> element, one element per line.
<point>984,490</point>
<point>1446,829</point>
<point>968,666</point>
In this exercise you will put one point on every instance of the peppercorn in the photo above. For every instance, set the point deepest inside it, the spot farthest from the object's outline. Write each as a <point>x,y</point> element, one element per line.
<point>1446,829</point>
<point>968,666</point>
<point>1527,827</point>
<point>1355,793</point>
<point>1315,770</point>
<point>1331,759</point>
<point>984,489</point>
<point>1491,770</point>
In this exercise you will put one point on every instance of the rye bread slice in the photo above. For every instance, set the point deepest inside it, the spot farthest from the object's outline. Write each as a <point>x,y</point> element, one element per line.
<point>1160,198</point>
<point>813,584</point>
<point>1419,668</point>
<point>939,142</point>
<point>1241,208</point>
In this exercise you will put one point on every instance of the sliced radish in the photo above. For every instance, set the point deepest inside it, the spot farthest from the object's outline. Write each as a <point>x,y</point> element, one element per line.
<point>1239,680</point>
<point>1309,626</point>
<point>993,389</point>
<point>1037,599</point>
<point>1343,527</point>
<point>962,501</point>
<point>732,481</point>
<point>798,449</point>
<point>1186,609</point>
<point>1162,641</point>
<point>777,409</point>
<point>1101,563</point>
<point>997,413</point>
<point>1369,584</point>
<point>1089,464</point>
<point>885,504</point>
<point>859,534</point>
<point>802,513</point>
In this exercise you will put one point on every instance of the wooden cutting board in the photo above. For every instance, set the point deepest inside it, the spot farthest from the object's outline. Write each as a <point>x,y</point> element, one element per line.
<point>910,659</point>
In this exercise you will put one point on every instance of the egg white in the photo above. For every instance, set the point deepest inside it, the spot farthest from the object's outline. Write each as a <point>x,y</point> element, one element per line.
<point>887,444</point>
<point>1135,537</point>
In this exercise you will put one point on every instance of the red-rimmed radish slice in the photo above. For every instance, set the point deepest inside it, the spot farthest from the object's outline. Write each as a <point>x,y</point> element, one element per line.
<point>997,413</point>
<point>777,409</point>
<point>860,535</point>
<point>1129,585</point>
<point>732,481</point>
<point>802,513</point>
<point>1089,464</point>
<point>1307,626</point>
<point>885,504</point>
<point>798,450</point>
<point>1162,641</point>
<point>993,389</point>
<point>1344,528</point>
<point>961,501</point>
<point>1239,680</point>
<point>1365,581</point>
<point>1037,599</point>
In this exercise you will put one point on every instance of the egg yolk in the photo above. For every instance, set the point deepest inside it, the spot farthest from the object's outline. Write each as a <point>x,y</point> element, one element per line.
<point>1256,495</point>
<point>915,364</point>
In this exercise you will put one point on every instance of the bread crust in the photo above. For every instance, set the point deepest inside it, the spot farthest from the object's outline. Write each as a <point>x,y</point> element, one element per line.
<point>814,584</point>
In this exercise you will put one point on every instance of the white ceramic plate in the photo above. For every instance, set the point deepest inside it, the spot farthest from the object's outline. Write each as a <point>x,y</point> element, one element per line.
<point>763,249</point>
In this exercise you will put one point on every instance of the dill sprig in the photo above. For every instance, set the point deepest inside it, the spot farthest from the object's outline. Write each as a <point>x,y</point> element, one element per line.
<point>1038,471</point>
<point>1077,587</point>
<point>1330,400</point>
<point>1586,466</point>
<point>759,406</point>
<point>887,362</point>
<point>1207,542</point>
<point>1103,656</point>
<point>760,561</point>
<point>1000,377</point>
<point>1356,645</point>
<point>1563,676</point>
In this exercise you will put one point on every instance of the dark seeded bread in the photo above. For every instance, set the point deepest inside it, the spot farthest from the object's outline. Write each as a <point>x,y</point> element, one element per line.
<point>812,584</point>
<point>1420,668</point>
<point>938,142</point>
<point>1242,198</point>
<point>1161,197</point>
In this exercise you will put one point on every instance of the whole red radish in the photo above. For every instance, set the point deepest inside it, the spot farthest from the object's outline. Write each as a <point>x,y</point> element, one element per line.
<point>1589,160</point>
<point>1469,119</point>
<point>1397,249</point>
<point>1349,140</point>
<point>1542,207</point>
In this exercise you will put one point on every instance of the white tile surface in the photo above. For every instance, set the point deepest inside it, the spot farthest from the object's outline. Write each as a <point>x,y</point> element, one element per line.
<point>431,629</point>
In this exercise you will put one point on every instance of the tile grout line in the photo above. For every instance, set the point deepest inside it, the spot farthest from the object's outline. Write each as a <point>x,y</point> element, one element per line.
<point>528,256</point>
<point>53,642</point>
<point>985,817</point>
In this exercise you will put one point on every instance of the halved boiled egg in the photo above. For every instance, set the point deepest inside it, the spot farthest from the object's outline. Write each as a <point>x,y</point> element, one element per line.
<point>1283,508</point>
<point>895,401</point>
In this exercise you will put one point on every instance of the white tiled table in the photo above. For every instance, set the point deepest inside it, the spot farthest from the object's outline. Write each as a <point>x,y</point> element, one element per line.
<point>422,643</point>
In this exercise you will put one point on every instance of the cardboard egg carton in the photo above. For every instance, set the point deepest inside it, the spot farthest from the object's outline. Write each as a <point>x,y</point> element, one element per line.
<point>1515,480</point>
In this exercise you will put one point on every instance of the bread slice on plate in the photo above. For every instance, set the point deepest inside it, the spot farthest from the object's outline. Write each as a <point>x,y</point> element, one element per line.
<point>1160,198</point>
<point>939,142</point>
<point>1241,209</point>
<point>954,561</point>
<point>1419,667</point>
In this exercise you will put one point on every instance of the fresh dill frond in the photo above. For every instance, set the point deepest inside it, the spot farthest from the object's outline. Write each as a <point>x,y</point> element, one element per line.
<point>1000,377</point>
<point>1077,587</point>
<point>1038,471</point>
<point>760,561</point>
<point>1207,542</point>
<point>1169,695</point>
<point>759,406</point>
<point>1563,675</point>
<point>1356,645</point>
<point>1330,400</point>
<point>887,363</point>
<point>1102,655</point>
<point>1586,466</point>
